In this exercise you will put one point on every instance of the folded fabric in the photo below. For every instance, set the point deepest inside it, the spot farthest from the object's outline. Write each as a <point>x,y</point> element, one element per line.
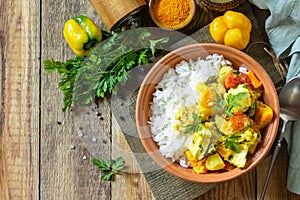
<point>283,30</point>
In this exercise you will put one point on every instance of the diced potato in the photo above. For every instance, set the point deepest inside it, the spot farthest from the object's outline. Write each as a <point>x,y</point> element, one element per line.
<point>223,73</point>
<point>263,115</point>
<point>244,102</point>
<point>198,165</point>
<point>201,86</point>
<point>251,139</point>
<point>191,158</point>
<point>208,97</point>
<point>239,159</point>
<point>200,169</point>
<point>203,143</point>
<point>218,88</point>
<point>236,159</point>
<point>214,162</point>
<point>206,101</point>
<point>224,152</point>
<point>206,111</point>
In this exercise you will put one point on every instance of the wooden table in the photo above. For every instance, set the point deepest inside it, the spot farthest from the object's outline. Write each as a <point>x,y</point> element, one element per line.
<point>37,160</point>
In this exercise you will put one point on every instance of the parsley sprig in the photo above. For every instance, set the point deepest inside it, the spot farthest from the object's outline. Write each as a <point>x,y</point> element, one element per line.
<point>109,168</point>
<point>231,102</point>
<point>232,143</point>
<point>110,62</point>
<point>85,78</point>
<point>195,126</point>
<point>220,103</point>
<point>67,71</point>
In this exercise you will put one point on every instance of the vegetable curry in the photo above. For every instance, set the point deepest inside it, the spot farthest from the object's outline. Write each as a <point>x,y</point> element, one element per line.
<point>226,122</point>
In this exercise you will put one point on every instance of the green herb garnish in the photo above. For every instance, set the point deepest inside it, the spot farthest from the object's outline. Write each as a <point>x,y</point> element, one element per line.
<point>251,110</point>
<point>85,78</point>
<point>67,71</point>
<point>232,101</point>
<point>236,73</point>
<point>109,168</point>
<point>220,103</point>
<point>229,104</point>
<point>232,143</point>
<point>195,126</point>
<point>110,62</point>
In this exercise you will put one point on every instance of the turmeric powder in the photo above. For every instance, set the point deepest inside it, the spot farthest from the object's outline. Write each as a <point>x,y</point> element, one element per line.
<point>172,14</point>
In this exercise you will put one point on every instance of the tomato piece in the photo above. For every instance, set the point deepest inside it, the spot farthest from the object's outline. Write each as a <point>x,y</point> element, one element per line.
<point>235,78</point>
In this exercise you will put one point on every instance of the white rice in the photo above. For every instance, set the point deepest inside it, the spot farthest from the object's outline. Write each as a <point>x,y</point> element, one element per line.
<point>178,88</point>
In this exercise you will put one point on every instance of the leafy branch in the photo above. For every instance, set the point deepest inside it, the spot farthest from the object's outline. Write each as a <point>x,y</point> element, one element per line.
<point>229,104</point>
<point>109,63</point>
<point>68,71</point>
<point>109,168</point>
<point>85,78</point>
<point>232,101</point>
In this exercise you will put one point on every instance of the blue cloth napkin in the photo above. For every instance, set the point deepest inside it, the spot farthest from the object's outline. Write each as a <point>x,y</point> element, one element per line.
<point>283,30</point>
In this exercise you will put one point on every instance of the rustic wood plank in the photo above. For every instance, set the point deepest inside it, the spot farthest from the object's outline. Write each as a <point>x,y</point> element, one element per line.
<point>93,126</point>
<point>277,188</point>
<point>243,187</point>
<point>19,99</point>
<point>66,173</point>
<point>132,183</point>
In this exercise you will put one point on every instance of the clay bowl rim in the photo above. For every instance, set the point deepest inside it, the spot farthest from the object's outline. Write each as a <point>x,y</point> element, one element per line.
<point>145,97</point>
<point>185,24</point>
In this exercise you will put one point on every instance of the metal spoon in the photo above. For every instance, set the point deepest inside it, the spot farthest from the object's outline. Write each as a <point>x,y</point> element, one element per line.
<point>289,98</point>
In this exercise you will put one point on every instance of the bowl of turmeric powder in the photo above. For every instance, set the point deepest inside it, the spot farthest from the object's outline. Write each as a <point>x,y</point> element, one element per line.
<point>172,15</point>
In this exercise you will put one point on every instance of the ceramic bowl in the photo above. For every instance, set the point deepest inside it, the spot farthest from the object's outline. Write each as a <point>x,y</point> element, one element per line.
<point>194,51</point>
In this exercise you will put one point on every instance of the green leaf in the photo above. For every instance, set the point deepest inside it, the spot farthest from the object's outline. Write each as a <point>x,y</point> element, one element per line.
<point>107,176</point>
<point>195,126</point>
<point>220,103</point>
<point>67,71</point>
<point>232,101</point>
<point>154,43</point>
<point>197,118</point>
<point>232,143</point>
<point>143,57</point>
<point>190,128</point>
<point>51,65</point>
<point>109,168</point>
<point>118,164</point>
<point>96,161</point>
<point>102,164</point>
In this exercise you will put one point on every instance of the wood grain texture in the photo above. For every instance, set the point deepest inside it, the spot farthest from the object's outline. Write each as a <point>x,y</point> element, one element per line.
<point>65,173</point>
<point>131,184</point>
<point>19,74</point>
<point>36,161</point>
